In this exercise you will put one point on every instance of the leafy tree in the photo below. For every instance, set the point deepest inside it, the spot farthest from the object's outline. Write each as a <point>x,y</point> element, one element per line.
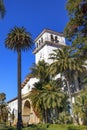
<point>2,97</point>
<point>3,108</point>
<point>80,106</point>
<point>76,28</point>
<point>18,39</point>
<point>2,9</point>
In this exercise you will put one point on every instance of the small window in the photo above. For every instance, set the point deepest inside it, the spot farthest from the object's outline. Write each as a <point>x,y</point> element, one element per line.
<point>56,39</point>
<point>37,44</point>
<point>41,40</point>
<point>52,39</point>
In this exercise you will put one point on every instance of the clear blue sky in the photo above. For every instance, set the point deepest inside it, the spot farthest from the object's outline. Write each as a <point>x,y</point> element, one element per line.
<point>34,15</point>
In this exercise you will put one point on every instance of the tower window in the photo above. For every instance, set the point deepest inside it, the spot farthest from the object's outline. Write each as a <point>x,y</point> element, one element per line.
<point>41,40</point>
<point>37,44</point>
<point>52,39</point>
<point>56,39</point>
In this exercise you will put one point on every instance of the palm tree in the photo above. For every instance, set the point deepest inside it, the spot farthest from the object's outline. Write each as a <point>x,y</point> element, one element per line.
<point>2,9</point>
<point>53,99</point>
<point>46,88</point>
<point>68,66</point>
<point>19,40</point>
<point>49,101</point>
<point>35,97</point>
<point>41,72</point>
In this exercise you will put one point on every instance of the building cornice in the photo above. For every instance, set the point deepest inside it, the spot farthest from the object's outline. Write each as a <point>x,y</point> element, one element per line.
<point>49,31</point>
<point>48,43</point>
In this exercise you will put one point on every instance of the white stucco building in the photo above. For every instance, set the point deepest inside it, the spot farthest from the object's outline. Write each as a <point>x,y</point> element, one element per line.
<point>45,43</point>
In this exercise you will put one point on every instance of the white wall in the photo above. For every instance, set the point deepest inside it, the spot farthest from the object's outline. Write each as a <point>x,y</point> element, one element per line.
<point>44,52</point>
<point>28,87</point>
<point>13,106</point>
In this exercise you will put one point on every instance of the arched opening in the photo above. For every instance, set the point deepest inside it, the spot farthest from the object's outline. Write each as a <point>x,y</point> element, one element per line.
<point>26,112</point>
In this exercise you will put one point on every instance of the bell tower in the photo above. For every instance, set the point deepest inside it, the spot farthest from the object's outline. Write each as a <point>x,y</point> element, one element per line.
<point>46,42</point>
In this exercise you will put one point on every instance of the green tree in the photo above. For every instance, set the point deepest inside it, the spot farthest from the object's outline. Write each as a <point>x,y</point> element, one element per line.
<point>48,102</point>
<point>54,100</point>
<point>80,106</point>
<point>68,66</point>
<point>46,96</point>
<point>2,97</point>
<point>2,9</point>
<point>41,72</point>
<point>76,28</point>
<point>3,108</point>
<point>18,39</point>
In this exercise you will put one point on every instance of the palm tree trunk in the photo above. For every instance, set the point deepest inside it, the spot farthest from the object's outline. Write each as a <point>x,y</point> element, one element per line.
<point>76,83</point>
<point>46,116</point>
<point>70,97</point>
<point>19,123</point>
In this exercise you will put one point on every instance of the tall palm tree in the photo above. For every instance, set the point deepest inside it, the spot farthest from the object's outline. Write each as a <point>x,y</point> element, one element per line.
<point>2,9</point>
<point>68,66</point>
<point>19,40</point>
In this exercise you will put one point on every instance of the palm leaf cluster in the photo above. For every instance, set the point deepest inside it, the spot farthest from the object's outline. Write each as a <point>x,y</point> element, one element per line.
<point>18,38</point>
<point>41,71</point>
<point>64,61</point>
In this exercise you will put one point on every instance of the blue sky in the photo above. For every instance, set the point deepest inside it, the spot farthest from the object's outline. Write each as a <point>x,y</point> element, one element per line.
<point>34,15</point>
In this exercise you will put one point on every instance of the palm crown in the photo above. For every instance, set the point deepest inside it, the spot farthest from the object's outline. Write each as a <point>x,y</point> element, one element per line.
<point>19,38</point>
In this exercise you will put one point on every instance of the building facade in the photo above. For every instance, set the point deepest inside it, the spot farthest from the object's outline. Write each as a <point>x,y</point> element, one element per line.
<point>45,43</point>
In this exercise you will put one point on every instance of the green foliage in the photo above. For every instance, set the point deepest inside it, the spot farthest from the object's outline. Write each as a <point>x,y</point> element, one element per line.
<point>36,127</point>
<point>64,61</point>
<point>18,38</point>
<point>64,118</point>
<point>80,107</point>
<point>3,108</point>
<point>47,96</point>
<point>48,99</point>
<point>41,71</point>
<point>76,28</point>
